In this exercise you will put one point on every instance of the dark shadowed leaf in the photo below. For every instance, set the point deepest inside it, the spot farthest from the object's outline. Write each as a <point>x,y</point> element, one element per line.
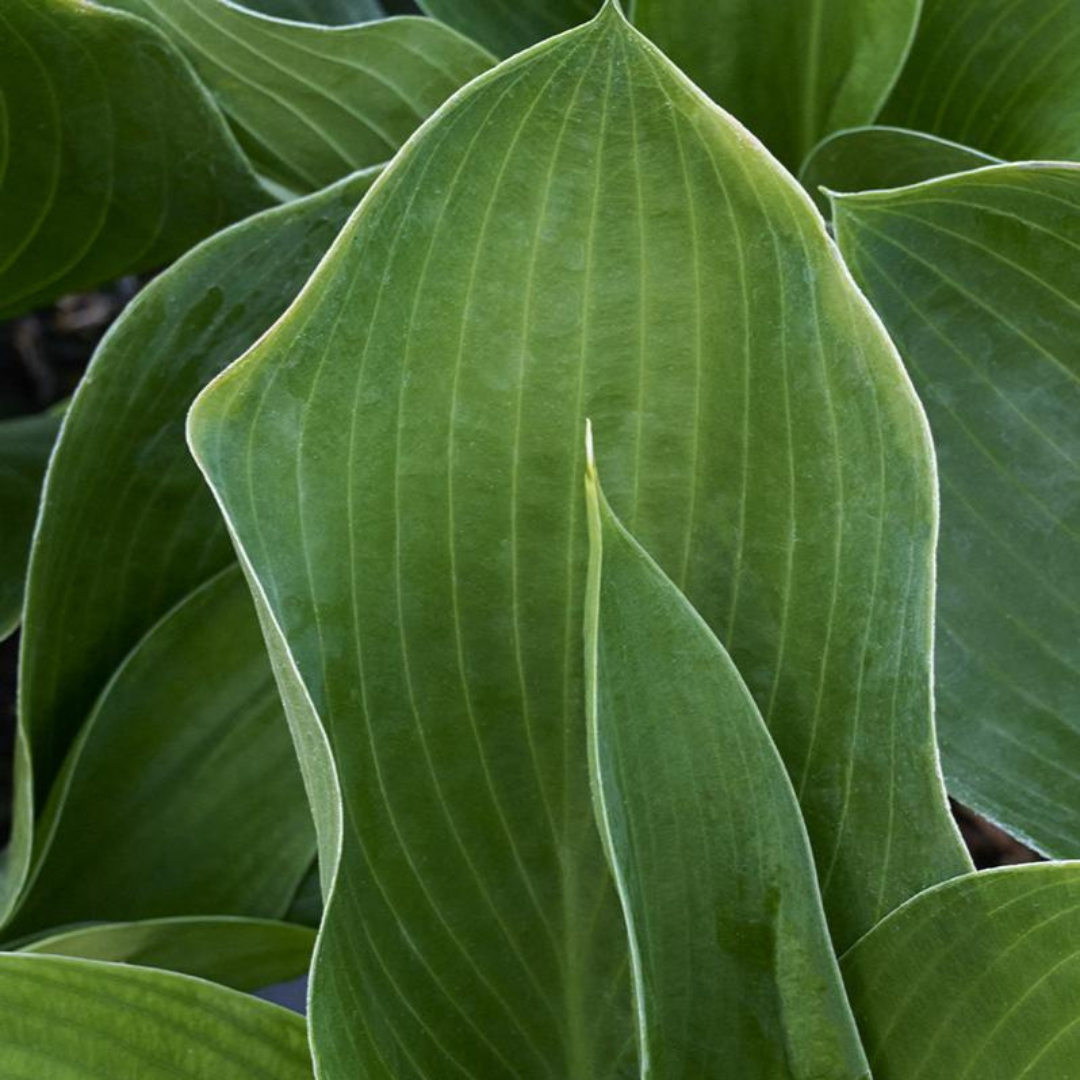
<point>507,26</point>
<point>25,446</point>
<point>791,72</point>
<point>182,793</point>
<point>112,157</point>
<point>978,278</point>
<point>999,75</point>
<point>309,103</point>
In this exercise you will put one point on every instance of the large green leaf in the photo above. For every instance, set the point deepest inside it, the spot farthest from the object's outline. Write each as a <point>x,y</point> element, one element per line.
<point>324,12</point>
<point>1000,75</point>
<point>867,158</point>
<point>181,794</point>
<point>977,278</point>
<point>978,978</point>
<point>64,1019</point>
<point>112,156</point>
<point>792,72</point>
<point>25,446</point>
<point>312,103</point>
<point>128,528</point>
<point>580,232</point>
<point>733,967</point>
<point>507,26</point>
<point>246,954</point>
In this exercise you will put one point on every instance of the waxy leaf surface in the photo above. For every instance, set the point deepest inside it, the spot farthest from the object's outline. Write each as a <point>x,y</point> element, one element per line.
<point>978,278</point>
<point>112,156</point>
<point>578,233</point>
<point>246,954</point>
<point>64,1019</point>
<point>999,75</point>
<point>128,528</point>
<point>25,445</point>
<point>507,26</point>
<point>791,72</point>
<point>978,978</point>
<point>731,956</point>
<point>868,158</point>
<point>182,793</point>
<point>309,103</point>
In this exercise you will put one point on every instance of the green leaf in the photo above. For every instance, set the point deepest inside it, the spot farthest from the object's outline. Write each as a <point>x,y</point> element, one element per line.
<point>791,72</point>
<point>246,954</point>
<point>312,103</point>
<point>324,12</point>
<point>25,445</point>
<point>64,1019</point>
<point>181,794</point>
<point>112,157</point>
<point>398,459</point>
<point>306,906</point>
<point>1000,75</point>
<point>979,977</point>
<point>732,960</point>
<point>976,278</point>
<point>507,26</point>
<point>868,158</point>
<point>128,529</point>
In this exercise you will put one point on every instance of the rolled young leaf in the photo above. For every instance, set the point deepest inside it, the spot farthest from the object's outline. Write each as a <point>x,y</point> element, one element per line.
<point>128,529</point>
<point>507,26</point>
<point>112,156</point>
<point>977,978</point>
<point>578,233</point>
<point>868,158</point>
<point>311,104</point>
<point>977,279</point>
<point>182,793</point>
<point>999,75</point>
<point>25,445</point>
<point>730,953</point>
<point>65,1019</point>
<point>792,72</point>
<point>246,954</point>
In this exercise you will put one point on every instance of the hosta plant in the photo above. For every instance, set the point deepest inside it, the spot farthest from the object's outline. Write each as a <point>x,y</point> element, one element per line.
<point>577,488</point>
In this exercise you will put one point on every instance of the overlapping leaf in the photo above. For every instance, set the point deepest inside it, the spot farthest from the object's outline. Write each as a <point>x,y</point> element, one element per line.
<point>181,793</point>
<point>64,1019</point>
<point>397,460</point>
<point>323,12</point>
<point>999,75</point>
<point>246,954</point>
<point>312,103</point>
<point>792,72</point>
<point>978,278</point>
<point>507,26</point>
<point>112,157</point>
<point>977,978</point>
<point>733,966</point>
<point>25,445</point>
<point>128,529</point>
<point>864,159</point>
